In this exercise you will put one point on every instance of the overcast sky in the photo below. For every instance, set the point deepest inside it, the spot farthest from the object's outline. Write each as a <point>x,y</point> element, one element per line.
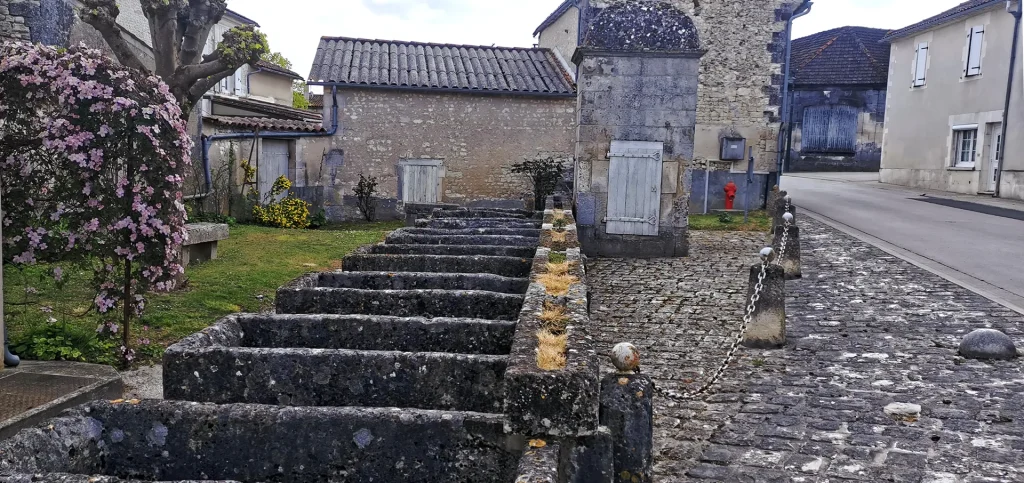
<point>294,27</point>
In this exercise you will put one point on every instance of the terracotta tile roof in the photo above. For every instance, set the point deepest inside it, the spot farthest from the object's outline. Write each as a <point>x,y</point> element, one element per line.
<point>268,108</point>
<point>842,56</point>
<point>442,67</point>
<point>276,69</point>
<point>960,11</point>
<point>265,123</point>
<point>557,14</point>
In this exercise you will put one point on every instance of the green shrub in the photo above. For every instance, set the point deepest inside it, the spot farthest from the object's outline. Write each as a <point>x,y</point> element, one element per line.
<point>556,257</point>
<point>64,342</point>
<point>319,220</point>
<point>725,218</point>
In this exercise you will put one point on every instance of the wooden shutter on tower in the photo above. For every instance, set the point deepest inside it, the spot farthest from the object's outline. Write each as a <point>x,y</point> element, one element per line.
<point>634,188</point>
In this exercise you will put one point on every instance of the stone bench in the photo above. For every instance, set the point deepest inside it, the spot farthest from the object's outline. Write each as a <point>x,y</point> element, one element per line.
<point>201,244</point>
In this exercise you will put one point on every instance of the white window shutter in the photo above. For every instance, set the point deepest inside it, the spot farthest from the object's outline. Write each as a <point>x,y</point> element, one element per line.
<point>975,41</point>
<point>921,64</point>
<point>240,82</point>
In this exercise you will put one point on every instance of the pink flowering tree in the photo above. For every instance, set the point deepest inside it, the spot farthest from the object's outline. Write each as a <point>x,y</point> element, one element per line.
<point>90,156</point>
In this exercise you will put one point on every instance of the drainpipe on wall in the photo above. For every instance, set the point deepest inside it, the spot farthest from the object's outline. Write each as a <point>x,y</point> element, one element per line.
<point>800,11</point>
<point>1009,92</point>
<point>209,140</point>
<point>248,77</point>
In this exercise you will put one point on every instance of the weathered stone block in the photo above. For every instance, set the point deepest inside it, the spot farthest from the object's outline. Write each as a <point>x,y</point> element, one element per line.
<point>373,332</point>
<point>401,303</point>
<point>791,257</point>
<point>504,266</point>
<point>627,410</point>
<point>173,440</point>
<point>767,327</point>
<point>463,223</point>
<point>474,231</point>
<point>407,238</point>
<point>409,281</point>
<point>539,465</point>
<point>195,370</point>
<point>453,250</point>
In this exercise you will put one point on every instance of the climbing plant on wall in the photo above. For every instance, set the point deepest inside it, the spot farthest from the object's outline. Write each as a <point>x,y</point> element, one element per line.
<point>90,156</point>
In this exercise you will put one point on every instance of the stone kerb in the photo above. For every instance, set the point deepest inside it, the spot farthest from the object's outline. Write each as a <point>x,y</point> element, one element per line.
<point>187,441</point>
<point>214,366</point>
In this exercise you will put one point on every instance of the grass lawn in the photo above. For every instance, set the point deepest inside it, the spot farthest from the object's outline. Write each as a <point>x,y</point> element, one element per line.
<point>251,265</point>
<point>758,221</point>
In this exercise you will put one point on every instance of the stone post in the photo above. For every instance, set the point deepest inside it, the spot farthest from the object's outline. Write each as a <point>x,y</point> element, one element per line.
<point>767,327</point>
<point>791,257</point>
<point>780,209</point>
<point>627,410</point>
<point>774,196</point>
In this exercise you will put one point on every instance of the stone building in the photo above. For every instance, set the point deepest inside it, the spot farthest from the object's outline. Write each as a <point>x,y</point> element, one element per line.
<point>738,91</point>
<point>838,92</point>
<point>436,123</point>
<point>945,110</point>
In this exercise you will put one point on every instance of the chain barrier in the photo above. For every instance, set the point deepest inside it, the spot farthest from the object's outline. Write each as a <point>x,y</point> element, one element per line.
<point>751,306</point>
<point>787,223</point>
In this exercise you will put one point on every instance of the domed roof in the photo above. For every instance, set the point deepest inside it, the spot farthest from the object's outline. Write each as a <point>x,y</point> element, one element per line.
<point>641,26</point>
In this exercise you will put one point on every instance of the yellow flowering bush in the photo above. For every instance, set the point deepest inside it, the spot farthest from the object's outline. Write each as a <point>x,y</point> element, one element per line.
<point>289,212</point>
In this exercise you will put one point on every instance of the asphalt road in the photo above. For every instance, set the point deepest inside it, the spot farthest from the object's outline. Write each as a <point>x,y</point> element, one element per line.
<point>980,251</point>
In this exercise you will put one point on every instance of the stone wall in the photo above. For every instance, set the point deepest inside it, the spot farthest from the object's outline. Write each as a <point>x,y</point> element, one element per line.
<point>476,137</point>
<point>870,127</point>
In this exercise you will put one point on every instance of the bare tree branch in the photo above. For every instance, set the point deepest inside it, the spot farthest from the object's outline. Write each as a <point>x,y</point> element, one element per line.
<point>187,74</point>
<point>102,15</point>
<point>202,86</point>
<point>202,16</point>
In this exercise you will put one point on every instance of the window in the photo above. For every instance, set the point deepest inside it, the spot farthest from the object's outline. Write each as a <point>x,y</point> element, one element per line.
<point>829,129</point>
<point>920,64</point>
<point>965,146</point>
<point>975,39</point>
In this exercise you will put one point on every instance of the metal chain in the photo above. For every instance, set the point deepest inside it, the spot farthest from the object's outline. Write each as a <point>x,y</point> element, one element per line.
<point>751,306</point>
<point>785,236</point>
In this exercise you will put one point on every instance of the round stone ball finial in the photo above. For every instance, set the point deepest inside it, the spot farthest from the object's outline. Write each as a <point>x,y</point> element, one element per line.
<point>766,253</point>
<point>788,199</point>
<point>787,216</point>
<point>626,357</point>
<point>988,344</point>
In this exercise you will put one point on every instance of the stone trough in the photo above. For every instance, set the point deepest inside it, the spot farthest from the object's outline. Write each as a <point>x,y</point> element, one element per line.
<point>527,232</point>
<point>486,250</point>
<point>503,266</point>
<point>216,366</point>
<point>177,441</point>
<point>463,223</point>
<point>403,303</point>
<point>490,213</point>
<point>367,332</point>
<point>400,237</point>
<point>405,281</point>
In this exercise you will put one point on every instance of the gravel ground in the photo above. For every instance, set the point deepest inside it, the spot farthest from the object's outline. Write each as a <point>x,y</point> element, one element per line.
<point>144,383</point>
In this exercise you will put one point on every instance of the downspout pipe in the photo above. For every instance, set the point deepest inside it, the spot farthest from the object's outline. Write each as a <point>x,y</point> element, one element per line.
<point>248,77</point>
<point>1009,94</point>
<point>209,140</point>
<point>803,9</point>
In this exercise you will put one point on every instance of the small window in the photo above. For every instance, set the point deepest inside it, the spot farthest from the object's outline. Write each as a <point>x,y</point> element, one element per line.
<point>975,40</point>
<point>965,146</point>
<point>920,64</point>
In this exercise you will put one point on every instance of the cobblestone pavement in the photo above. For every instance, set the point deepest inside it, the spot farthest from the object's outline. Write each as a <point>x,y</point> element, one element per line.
<point>865,330</point>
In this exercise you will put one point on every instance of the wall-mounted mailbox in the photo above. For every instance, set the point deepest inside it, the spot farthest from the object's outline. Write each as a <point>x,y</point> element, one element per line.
<point>733,149</point>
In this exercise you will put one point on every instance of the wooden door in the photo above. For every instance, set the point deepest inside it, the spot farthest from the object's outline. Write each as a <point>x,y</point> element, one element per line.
<point>273,164</point>
<point>634,188</point>
<point>421,181</point>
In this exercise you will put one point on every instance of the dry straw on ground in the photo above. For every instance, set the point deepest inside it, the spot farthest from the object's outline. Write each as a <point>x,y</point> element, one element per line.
<point>551,350</point>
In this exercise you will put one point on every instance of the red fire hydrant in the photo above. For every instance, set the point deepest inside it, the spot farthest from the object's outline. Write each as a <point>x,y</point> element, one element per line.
<point>730,194</point>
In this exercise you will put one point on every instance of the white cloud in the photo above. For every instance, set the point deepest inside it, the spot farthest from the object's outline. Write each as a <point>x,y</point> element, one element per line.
<point>295,27</point>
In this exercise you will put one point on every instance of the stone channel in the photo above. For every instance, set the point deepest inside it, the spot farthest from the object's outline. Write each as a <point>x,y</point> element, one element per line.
<point>392,370</point>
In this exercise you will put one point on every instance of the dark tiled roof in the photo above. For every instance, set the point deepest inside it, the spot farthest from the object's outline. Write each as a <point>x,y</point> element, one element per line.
<point>557,14</point>
<point>240,17</point>
<point>414,65</point>
<point>842,56</point>
<point>265,123</point>
<point>276,69</point>
<point>960,11</point>
<point>268,108</point>
<point>316,101</point>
